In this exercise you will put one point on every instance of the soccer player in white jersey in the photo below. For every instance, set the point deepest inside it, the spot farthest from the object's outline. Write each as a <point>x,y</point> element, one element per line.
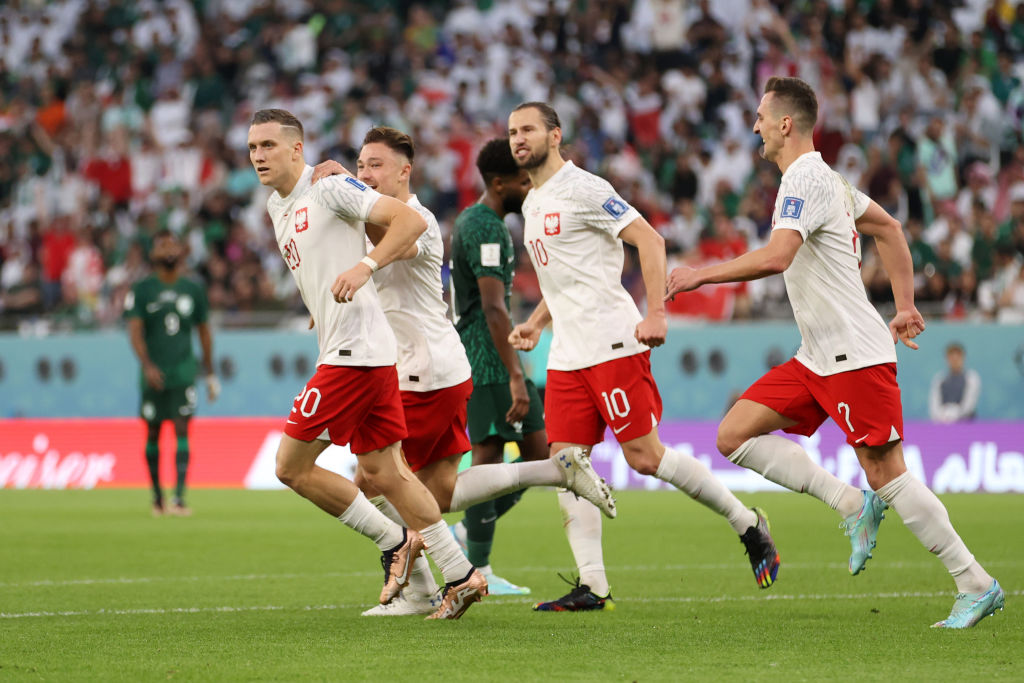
<point>434,374</point>
<point>353,397</point>
<point>599,370</point>
<point>846,366</point>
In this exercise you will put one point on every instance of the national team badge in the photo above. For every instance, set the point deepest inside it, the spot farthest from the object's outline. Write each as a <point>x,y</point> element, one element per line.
<point>792,207</point>
<point>552,223</point>
<point>302,219</point>
<point>615,207</point>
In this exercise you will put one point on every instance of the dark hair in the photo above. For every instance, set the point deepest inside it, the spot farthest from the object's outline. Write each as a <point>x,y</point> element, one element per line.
<point>955,346</point>
<point>393,138</point>
<point>547,113</point>
<point>495,159</point>
<point>797,99</point>
<point>164,233</point>
<point>285,118</point>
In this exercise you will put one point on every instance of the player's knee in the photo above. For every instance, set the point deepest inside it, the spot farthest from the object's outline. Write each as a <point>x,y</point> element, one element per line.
<point>289,475</point>
<point>729,439</point>
<point>642,460</point>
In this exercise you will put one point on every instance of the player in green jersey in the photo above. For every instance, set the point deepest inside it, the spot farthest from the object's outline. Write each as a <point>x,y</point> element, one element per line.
<point>161,311</point>
<point>504,406</point>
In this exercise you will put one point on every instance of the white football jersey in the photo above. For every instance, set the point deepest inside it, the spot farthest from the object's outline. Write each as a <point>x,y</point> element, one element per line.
<point>839,328</point>
<point>430,353</point>
<point>320,233</point>
<point>572,226</point>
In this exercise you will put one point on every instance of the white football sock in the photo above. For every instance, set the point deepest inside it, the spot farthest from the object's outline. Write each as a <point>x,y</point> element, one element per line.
<point>447,555</point>
<point>363,517</point>
<point>583,528</point>
<point>486,482</point>
<point>784,462</point>
<point>421,579</point>
<point>926,516</point>
<point>690,475</point>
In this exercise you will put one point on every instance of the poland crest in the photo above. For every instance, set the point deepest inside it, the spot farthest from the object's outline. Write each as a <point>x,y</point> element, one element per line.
<point>552,224</point>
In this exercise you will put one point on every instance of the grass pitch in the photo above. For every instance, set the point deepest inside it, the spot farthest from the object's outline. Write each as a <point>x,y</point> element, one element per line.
<point>262,586</point>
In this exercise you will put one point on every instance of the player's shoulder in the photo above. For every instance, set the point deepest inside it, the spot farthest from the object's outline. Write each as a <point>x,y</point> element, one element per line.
<point>477,220</point>
<point>337,185</point>
<point>144,284</point>
<point>810,176</point>
<point>585,188</point>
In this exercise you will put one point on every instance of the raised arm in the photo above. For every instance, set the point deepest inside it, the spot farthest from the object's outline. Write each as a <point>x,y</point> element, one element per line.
<point>771,259</point>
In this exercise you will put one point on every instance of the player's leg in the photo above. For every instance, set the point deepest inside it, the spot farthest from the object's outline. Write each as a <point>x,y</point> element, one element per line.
<point>532,447</point>
<point>152,454</point>
<point>781,400</point>
<point>574,421</point>
<point>181,460</point>
<point>927,518</point>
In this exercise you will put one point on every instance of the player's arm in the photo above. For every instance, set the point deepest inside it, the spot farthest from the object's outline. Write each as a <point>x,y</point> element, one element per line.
<point>402,225</point>
<point>771,259</point>
<point>375,232</point>
<point>651,247</point>
<point>895,255</point>
<point>154,377</point>
<point>206,344</point>
<point>492,301</point>
<point>525,336</point>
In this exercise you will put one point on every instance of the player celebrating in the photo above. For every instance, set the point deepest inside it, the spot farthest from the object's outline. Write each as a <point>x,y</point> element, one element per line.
<point>599,368</point>
<point>846,366</point>
<point>353,397</point>
<point>434,374</point>
<point>505,406</point>
<point>161,311</point>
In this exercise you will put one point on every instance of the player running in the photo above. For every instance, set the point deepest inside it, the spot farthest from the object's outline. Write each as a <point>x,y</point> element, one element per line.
<point>846,366</point>
<point>599,369</point>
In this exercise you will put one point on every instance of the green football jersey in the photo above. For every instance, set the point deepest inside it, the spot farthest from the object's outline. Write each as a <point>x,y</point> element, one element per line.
<point>481,247</point>
<point>169,312</point>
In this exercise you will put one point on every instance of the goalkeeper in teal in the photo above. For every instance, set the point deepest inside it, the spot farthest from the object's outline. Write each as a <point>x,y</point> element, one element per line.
<point>504,405</point>
<point>161,310</point>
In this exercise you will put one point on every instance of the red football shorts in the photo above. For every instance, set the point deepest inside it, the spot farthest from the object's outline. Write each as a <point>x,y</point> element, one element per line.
<point>437,424</point>
<point>865,403</point>
<point>619,393</point>
<point>359,406</point>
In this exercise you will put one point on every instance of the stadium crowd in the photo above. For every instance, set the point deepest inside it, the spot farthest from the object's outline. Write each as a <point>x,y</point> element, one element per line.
<point>118,118</point>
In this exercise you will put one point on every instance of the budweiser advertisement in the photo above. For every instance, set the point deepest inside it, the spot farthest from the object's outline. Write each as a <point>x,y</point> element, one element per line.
<point>239,453</point>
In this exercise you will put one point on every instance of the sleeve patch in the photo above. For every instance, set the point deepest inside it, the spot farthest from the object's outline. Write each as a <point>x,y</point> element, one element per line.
<point>792,207</point>
<point>615,207</point>
<point>490,255</point>
<point>354,182</point>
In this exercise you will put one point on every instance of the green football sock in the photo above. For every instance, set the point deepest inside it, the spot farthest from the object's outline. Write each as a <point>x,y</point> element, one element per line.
<point>181,463</point>
<point>153,463</point>
<point>479,521</point>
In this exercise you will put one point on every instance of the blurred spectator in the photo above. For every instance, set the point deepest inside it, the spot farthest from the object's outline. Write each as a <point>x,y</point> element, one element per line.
<point>954,393</point>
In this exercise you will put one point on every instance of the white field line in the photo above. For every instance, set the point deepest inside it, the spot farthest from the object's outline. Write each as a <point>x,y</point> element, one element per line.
<point>506,569</point>
<point>502,603</point>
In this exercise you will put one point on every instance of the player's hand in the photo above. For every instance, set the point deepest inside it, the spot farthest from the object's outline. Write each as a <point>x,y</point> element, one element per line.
<point>524,337</point>
<point>346,284</point>
<point>905,326</point>
<point>652,330</point>
<point>154,378</point>
<point>212,387</point>
<point>520,400</point>
<point>328,168</point>
<point>681,279</point>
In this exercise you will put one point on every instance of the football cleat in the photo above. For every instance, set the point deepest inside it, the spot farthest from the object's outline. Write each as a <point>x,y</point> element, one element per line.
<point>406,603</point>
<point>579,599</point>
<point>459,595</point>
<point>862,528</point>
<point>179,509</point>
<point>499,586</point>
<point>970,608</point>
<point>764,558</point>
<point>397,564</point>
<point>581,479</point>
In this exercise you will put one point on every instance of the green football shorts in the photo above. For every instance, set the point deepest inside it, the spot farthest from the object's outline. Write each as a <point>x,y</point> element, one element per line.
<point>487,408</point>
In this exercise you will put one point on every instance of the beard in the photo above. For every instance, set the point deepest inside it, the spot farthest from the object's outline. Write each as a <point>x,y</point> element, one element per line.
<point>168,262</point>
<point>534,160</point>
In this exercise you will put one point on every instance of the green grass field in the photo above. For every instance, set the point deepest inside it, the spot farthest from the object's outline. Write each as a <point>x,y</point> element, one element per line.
<point>262,586</point>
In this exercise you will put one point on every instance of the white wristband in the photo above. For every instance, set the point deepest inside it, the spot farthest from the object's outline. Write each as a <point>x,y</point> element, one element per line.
<point>371,263</point>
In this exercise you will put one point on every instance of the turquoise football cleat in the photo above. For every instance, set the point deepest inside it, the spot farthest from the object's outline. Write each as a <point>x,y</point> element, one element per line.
<point>862,528</point>
<point>970,608</point>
